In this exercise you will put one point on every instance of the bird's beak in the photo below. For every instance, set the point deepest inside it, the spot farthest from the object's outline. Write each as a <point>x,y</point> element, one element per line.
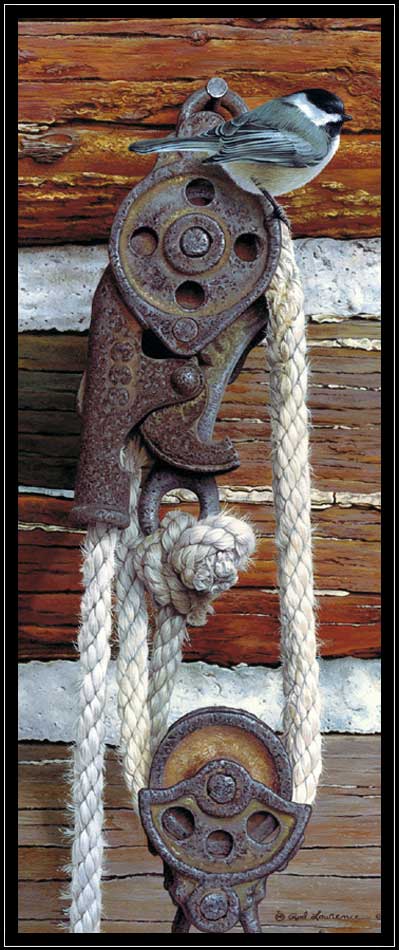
<point>346,117</point>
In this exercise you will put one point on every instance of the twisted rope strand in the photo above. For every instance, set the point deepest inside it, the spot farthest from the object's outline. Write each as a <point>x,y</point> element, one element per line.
<point>185,565</point>
<point>132,662</point>
<point>88,765</point>
<point>291,489</point>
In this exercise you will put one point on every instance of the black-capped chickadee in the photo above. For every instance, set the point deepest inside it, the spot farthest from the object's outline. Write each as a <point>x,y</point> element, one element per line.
<point>275,148</point>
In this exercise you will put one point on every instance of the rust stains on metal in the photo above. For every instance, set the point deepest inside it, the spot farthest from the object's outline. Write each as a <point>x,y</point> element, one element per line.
<point>219,830</point>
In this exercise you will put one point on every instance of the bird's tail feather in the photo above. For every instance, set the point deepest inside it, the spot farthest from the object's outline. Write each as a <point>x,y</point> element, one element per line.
<point>168,145</point>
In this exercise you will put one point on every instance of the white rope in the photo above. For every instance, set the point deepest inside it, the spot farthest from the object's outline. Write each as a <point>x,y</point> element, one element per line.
<point>88,766</point>
<point>286,348</point>
<point>132,664</point>
<point>184,565</point>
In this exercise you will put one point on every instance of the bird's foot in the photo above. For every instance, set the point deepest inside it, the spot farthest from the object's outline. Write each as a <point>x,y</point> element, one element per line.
<point>278,211</point>
<point>280,214</point>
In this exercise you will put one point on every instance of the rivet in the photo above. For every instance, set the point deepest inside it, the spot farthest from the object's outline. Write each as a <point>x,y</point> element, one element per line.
<point>221,788</point>
<point>185,329</point>
<point>214,906</point>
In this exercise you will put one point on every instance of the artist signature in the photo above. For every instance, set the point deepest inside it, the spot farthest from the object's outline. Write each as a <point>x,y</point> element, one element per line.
<point>316,915</point>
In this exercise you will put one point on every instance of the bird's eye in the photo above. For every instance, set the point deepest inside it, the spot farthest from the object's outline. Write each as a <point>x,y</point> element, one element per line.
<point>333,128</point>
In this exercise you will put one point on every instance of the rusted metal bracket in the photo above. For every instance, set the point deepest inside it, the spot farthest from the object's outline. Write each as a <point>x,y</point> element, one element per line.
<point>173,318</point>
<point>218,811</point>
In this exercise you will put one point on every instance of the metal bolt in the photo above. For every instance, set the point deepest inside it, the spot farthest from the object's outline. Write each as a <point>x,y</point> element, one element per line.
<point>122,351</point>
<point>187,380</point>
<point>216,87</point>
<point>221,788</point>
<point>195,242</point>
<point>214,906</point>
<point>185,329</point>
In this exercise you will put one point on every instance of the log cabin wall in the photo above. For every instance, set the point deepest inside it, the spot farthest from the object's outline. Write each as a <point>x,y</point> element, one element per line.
<point>89,87</point>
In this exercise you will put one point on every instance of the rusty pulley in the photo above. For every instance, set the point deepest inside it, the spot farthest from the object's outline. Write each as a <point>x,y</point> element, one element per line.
<point>173,318</point>
<point>218,811</point>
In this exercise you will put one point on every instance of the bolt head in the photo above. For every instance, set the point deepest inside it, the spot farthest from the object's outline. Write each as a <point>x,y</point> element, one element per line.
<point>221,788</point>
<point>187,380</point>
<point>214,906</point>
<point>185,329</point>
<point>217,87</point>
<point>195,242</point>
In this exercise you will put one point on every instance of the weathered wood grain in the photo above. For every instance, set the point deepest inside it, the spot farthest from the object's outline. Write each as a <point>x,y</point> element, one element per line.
<point>245,627</point>
<point>68,351</point>
<point>50,562</point>
<point>49,863</point>
<point>345,458</point>
<point>293,897</point>
<point>331,886</point>
<point>337,746</point>
<point>172,26</point>
<point>85,57</point>
<point>83,83</point>
<point>75,197</point>
<point>344,401</point>
<point>360,523</point>
<point>43,784</point>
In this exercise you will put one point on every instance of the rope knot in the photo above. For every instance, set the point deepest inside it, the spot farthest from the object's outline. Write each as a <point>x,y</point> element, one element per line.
<point>187,563</point>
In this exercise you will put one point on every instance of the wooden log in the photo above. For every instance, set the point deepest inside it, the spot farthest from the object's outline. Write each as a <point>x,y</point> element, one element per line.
<point>88,57</point>
<point>331,885</point>
<point>118,72</point>
<point>327,902</point>
<point>337,746</point>
<point>75,196</point>
<point>67,352</point>
<point>355,522</point>
<point>342,460</point>
<point>245,627</point>
<point>50,863</point>
<point>344,400</point>
<point>49,561</point>
<point>175,26</point>
<point>352,771</point>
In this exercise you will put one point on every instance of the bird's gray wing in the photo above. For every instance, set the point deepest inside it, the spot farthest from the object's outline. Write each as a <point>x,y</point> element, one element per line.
<point>274,133</point>
<point>270,145</point>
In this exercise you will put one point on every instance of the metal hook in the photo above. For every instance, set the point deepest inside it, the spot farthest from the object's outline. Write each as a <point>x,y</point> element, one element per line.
<point>163,479</point>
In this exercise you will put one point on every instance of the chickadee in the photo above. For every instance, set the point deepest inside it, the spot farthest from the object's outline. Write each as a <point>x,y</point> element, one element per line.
<point>275,148</point>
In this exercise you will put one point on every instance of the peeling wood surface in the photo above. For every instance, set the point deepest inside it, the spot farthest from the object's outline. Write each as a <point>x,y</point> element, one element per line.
<point>331,886</point>
<point>102,82</point>
<point>75,196</point>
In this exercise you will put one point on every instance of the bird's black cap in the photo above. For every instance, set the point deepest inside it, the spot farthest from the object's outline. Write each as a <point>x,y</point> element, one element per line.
<point>327,101</point>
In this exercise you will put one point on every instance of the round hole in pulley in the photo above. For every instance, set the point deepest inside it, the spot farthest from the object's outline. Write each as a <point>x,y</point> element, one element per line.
<point>178,822</point>
<point>143,241</point>
<point>219,844</point>
<point>190,295</point>
<point>247,247</point>
<point>200,191</point>
<point>262,827</point>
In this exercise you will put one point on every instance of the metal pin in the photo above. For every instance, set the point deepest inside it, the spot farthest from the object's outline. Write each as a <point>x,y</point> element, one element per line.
<point>217,87</point>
